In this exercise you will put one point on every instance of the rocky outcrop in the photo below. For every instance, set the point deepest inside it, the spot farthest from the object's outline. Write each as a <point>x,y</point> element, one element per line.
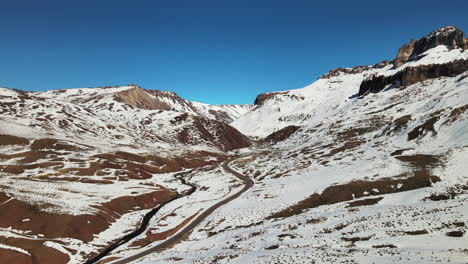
<point>261,98</point>
<point>358,69</point>
<point>449,36</point>
<point>411,75</point>
<point>404,53</point>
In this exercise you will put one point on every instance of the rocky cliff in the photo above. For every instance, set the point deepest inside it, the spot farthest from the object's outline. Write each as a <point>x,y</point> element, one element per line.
<point>449,36</point>
<point>411,75</point>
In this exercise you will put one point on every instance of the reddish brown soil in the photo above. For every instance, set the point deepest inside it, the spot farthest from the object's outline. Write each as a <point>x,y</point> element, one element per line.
<point>14,257</point>
<point>12,140</point>
<point>40,254</point>
<point>55,144</point>
<point>81,227</point>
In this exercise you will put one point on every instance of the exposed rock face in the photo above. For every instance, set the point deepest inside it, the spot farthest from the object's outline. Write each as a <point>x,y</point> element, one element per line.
<point>262,98</point>
<point>450,36</point>
<point>404,53</point>
<point>411,75</point>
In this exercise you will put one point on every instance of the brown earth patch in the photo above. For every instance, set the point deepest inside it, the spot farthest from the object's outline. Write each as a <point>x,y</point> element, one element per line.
<point>39,252</point>
<point>416,232</point>
<point>6,140</point>
<point>356,189</point>
<point>55,144</point>
<point>423,129</point>
<point>385,246</point>
<point>82,227</point>
<point>397,125</point>
<point>457,233</point>
<point>136,166</point>
<point>346,146</point>
<point>14,257</point>
<point>29,156</point>
<point>421,161</point>
<point>18,169</point>
<point>281,134</point>
<point>456,114</point>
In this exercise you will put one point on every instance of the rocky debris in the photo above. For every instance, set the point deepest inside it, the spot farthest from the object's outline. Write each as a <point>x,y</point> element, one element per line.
<point>355,70</point>
<point>411,75</point>
<point>449,36</point>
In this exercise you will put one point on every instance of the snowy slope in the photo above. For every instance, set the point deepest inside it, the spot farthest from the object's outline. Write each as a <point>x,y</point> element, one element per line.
<point>324,98</point>
<point>347,177</point>
<point>395,158</point>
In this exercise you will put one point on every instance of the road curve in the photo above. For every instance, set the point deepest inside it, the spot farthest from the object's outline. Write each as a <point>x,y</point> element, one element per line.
<point>248,183</point>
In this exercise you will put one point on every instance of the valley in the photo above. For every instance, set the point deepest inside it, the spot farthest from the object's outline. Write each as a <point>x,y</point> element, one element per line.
<point>365,165</point>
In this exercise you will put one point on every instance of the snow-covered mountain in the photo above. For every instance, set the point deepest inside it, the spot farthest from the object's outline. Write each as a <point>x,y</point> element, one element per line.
<point>365,165</point>
<point>336,91</point>
<point>128,115</point>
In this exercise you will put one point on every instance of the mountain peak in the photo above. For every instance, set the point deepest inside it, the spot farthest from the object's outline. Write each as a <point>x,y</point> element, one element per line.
<point>447,30</point>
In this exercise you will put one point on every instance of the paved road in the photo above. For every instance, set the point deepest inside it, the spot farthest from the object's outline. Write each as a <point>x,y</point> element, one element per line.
<point>248,183</point>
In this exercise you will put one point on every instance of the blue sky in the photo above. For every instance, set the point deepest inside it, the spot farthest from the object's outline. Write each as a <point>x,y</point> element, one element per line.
<point>211,51</point>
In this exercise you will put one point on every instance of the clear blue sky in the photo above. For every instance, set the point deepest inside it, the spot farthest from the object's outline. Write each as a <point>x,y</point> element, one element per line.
<point>211,51</point>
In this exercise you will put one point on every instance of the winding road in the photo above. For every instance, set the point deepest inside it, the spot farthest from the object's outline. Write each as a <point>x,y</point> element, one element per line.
<point>179,236</point>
